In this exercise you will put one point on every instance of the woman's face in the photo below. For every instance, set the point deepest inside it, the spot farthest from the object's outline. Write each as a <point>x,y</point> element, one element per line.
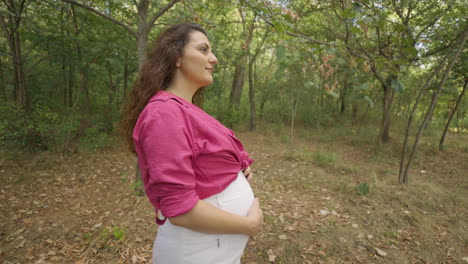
<point>197,62</point>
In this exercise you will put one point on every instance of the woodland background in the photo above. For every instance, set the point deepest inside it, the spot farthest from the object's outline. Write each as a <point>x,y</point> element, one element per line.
<point>369,92</point>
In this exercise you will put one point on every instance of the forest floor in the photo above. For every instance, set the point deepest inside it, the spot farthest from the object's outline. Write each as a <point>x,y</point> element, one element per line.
<point>83,209</point>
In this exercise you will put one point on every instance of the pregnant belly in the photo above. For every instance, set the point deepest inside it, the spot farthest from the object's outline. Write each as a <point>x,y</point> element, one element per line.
<point>237,198</point>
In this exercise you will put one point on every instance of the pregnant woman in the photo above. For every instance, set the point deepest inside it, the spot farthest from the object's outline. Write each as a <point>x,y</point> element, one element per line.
<point>195,171</point>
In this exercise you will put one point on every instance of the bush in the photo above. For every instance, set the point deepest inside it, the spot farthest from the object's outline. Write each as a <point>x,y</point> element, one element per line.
<point>362,189</point>
<point>38,130</point>
<point>321,158</point>
<point>42,129</point>
<point>223,111</point>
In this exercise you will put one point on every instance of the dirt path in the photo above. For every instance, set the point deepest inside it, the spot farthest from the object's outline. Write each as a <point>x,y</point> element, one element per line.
<point>83,209</point>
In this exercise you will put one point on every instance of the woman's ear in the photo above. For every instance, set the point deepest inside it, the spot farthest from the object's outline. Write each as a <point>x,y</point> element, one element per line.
<point>177,63</point>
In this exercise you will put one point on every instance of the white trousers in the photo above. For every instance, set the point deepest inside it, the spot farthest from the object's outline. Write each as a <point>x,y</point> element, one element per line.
<point>179,245</point>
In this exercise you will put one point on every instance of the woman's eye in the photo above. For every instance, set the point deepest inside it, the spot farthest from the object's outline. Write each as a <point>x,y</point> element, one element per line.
<point>204,50</point>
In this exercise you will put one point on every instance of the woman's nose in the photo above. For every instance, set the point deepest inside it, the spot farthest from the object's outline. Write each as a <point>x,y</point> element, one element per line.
<point>213,59</point>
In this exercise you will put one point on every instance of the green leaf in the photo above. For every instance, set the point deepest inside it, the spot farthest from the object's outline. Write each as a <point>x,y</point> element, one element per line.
<point>279,27</point>
<point>347,13</point>
<point>400,61</point>
<point>368,20</point>
<point>381,24</point>
<point>361,87</point>
<point>281,53</point>
<point>356,30</point>
<point>340,61</point>
<point>359,97</point>
<point>397,86</point>
<point>369,100</point>
<point>333,94</point>
<point>288,18</point>
<point>400,28</point>
<point>412,51</point>
<point>308,84</point>
<point>331,51</point>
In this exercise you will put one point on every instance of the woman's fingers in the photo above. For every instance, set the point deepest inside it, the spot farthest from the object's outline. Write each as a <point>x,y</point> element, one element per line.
<point>248,173</point>
<point>249,177</point>
<point>256,215</point>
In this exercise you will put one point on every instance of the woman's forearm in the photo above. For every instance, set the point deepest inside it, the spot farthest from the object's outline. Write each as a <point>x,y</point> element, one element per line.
<point>205,217</point>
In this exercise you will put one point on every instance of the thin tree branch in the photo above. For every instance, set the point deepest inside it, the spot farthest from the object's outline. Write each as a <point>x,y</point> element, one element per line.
<point>113,20</point>
<point>305,37</point>
<point>39,61</point>
<point>161,12</point>
<point>441,14</point>
<point>450,44</point>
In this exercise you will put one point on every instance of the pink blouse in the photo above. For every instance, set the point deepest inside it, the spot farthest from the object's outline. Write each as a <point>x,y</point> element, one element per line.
<point>184,154</point>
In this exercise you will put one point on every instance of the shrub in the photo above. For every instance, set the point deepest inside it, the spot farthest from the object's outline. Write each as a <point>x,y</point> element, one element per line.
<point>362,189</point>
<point>321,158</point>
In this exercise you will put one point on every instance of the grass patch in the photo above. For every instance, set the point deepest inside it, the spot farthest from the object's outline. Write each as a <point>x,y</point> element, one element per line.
<point>323,159</point>
<point>362,189</point>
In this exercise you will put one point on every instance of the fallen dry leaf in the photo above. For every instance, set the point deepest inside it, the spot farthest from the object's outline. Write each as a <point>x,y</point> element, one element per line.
<point>380,252</point>
<point>283,237</point>
<point>271,256</point>
<point>21,244</point>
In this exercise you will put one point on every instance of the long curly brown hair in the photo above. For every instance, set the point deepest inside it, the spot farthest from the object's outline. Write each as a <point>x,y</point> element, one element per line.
<point>156,74</point>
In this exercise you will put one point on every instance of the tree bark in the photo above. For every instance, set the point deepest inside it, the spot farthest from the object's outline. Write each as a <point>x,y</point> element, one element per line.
<point>404,178</point>
<point>126,73</point>
<point>82,66</point>
<point>384,135</point>
<point>411,116</point>
<point>293,117</point>
<point>253,123</point>
<point>2,81</point>
<point>71,84</point>
<point>442,139</point>
<point>10,25</point>
<point>239,72</point>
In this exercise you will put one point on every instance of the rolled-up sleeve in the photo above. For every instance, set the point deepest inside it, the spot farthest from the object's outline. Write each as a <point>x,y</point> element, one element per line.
<point>170,179</point>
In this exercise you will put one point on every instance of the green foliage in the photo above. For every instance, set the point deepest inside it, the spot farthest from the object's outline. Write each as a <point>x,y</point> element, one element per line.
<point>138,188</point>
<point>322,158</point>
<point>95,138</point>
<point>45,130</point>
<point>223,111</point>
<point>39,130</point>
<point>105,233</point>
<point>119,233</point>
<point>397,86</point>
<point>362,189</point>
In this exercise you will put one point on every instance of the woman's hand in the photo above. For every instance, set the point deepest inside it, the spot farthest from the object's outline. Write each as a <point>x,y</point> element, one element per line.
<point>255,216</point>
<point>248,173</point>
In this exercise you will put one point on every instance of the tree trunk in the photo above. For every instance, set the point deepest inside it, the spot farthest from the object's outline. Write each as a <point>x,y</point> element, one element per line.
<point>404,178</point>
<point>411,116</point>
<point>2,81</point>
<point>384,135</point>
<point>237,84</point>
<point>10,26</point>
<point>253,124</point>
<point>64,81</point>
<point>126,73</point>
<point>85,90</point>
<point>142,32</point>
<point>343,97</point>
<point>239,72</point>
<point>293,117</point>
<point>71,84</point>
<point>442,139</point>
<point>83,68</point>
